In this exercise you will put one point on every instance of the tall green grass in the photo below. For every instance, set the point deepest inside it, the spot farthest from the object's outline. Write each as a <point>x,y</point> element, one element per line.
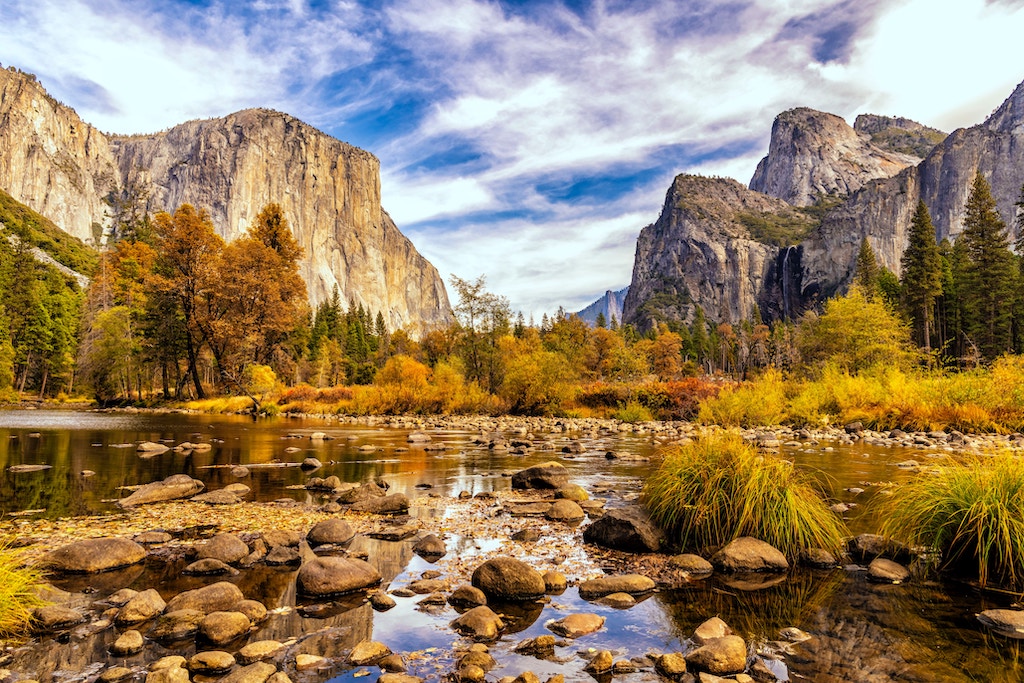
<point>719,488</point>
<point>972,512</point>
<point>18,592</point>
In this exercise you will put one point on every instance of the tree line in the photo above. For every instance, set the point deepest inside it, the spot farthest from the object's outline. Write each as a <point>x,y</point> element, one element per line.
<point>175,312</point>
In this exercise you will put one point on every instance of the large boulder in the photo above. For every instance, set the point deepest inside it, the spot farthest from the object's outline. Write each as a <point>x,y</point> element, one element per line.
<point>627,529</point>
<point>748,554</point>
<point>217,597</point>
<point>94,555</point>
<point>327,576</point>
<point>506,578</point>
<point>227,548</point>
<point>549,475</point>
<point>172,488</point>
<point>333,531</point>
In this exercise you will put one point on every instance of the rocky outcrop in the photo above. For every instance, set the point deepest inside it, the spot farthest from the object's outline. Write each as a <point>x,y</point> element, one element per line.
<point>609,305</point>
<point>813,154</point>
<point>898,134</point>
<point>725,248</point>
<point>700,251</point>
<point>232,166</point>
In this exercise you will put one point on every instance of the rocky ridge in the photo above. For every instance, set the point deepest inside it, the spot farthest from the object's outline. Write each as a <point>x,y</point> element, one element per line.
<point>62,167</point>
<point>814,154</point>
<point>696,254</point>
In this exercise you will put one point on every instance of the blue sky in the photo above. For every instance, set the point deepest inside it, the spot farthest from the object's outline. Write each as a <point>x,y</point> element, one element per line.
<point>529,141</point>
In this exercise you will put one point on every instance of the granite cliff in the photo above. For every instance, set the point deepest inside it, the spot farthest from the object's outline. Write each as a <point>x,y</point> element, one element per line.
<point>610,305</point>
<point>845,183</point>
<point>813,154</point>
<point>232,166</point>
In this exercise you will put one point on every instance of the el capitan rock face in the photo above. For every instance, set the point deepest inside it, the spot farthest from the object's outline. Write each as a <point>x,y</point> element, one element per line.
<point>231,166</point>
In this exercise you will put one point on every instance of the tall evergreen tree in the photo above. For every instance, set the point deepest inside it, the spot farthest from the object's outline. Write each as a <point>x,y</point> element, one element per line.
<point>989,276</point>
<point>922,275</point>
<point>865,273</point>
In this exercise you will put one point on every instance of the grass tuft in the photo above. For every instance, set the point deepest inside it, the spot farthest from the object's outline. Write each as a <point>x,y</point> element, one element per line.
<point>18,592</point>
<point>971,511</point>
<point>719,488</point>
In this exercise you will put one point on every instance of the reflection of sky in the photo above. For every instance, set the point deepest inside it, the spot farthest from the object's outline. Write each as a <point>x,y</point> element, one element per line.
<point>530,136</point>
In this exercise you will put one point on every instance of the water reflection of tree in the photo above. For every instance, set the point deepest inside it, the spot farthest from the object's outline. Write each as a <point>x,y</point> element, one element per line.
<point>755,614</point>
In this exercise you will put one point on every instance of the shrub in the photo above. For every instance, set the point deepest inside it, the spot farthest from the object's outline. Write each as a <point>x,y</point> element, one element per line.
<point>971,511</point>
<point>18,594</point>
<point>632,413</point>
<point>719,488</point>
<point>753,404</point>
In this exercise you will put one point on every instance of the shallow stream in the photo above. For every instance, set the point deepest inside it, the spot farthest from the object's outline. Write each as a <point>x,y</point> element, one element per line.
<point>919,631</point>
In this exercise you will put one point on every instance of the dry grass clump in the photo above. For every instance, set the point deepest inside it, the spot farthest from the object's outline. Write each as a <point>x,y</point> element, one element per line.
<point>971,511</point>
<point>18,592</point>
<point>718,488</point>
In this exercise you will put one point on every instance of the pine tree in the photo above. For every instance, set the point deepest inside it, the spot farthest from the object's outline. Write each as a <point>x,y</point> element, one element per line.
<point>865,273</point>
<point>600,321</point>
<point>989,276</point>
<point>922,275</point>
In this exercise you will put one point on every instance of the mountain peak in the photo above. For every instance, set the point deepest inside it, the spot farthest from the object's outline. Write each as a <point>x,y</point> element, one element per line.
<point>1010,114</point>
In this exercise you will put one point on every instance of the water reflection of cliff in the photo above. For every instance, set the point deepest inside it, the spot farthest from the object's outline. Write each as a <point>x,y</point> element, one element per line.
<point>861,631</point>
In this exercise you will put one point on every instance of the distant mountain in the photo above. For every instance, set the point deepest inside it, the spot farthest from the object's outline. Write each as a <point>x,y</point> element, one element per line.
<point>791,240</point>
<point>232,166</point>
<point>610,304</point>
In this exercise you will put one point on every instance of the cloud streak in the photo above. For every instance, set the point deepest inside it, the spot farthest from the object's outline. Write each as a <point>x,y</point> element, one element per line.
<point>532,140</point>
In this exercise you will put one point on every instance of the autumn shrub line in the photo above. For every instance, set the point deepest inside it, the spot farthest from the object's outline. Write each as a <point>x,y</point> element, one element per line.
<point>881,397</point>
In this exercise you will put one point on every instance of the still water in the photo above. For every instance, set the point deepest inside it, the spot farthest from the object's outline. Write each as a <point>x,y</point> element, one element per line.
<point>921,631</point>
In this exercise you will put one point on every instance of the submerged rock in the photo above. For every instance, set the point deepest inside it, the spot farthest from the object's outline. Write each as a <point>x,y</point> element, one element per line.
<point>172,488</point>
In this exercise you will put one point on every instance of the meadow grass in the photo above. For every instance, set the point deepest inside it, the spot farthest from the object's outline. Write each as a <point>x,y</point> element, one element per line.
<point>18,592</point>
<point>719,488</point>
<point>881,397</point>
<point>970,511</point>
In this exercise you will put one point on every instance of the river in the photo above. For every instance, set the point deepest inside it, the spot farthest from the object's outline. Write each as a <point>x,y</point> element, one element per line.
<point>920,631</point>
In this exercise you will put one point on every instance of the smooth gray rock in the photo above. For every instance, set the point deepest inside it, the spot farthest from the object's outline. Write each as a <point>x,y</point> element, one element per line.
<point>94,555</point>
<point>172,488</point>
<point>748,554</point>
<point>326,576</point>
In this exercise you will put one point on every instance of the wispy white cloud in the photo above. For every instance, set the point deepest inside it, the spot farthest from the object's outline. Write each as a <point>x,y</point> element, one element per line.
<point>495,122</point>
